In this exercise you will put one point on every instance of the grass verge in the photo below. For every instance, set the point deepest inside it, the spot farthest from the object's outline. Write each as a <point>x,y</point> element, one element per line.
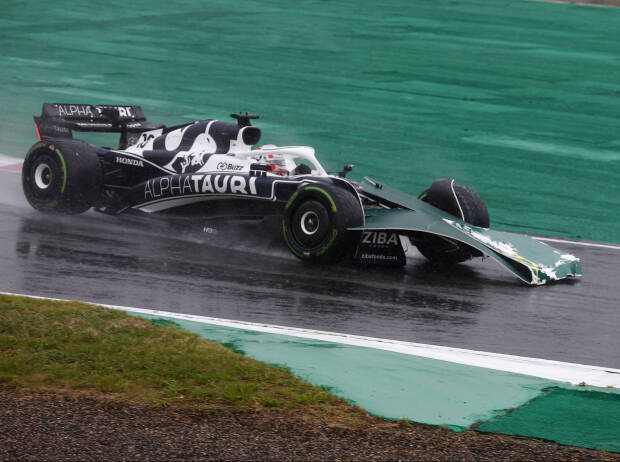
<point>72,346</point>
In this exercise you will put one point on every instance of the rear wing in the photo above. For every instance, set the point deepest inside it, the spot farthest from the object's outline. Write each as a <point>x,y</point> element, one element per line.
<point>60,120</point>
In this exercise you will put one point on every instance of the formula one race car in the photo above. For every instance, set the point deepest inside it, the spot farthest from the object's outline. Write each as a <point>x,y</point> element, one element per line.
<point>209,169</point>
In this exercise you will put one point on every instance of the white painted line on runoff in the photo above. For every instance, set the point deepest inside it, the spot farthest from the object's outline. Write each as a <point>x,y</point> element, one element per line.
<point>585,244</point>
<point>10,164</point>
<point>544,368</point>
<point>5,160</point>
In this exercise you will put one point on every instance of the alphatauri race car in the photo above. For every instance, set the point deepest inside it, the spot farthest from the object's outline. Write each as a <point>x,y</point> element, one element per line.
<point>210,168</point>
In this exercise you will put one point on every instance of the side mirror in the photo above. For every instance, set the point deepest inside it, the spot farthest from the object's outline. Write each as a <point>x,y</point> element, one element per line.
<point>346,169</point>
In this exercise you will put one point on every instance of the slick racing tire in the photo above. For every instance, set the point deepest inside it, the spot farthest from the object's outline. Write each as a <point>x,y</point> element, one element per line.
<point>462,202</point>
<point>316,219</point>
<point>62,176</point>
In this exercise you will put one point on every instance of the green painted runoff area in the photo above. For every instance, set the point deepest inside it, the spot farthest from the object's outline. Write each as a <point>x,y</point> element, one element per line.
<point>566,416</point>
<point>520,100</point>
<point>400,386</point>
<point>392,385</point>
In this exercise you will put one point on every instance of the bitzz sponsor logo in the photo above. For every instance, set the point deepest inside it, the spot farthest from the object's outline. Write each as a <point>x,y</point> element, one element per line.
<point>228,167</point>
<point>183,185</point>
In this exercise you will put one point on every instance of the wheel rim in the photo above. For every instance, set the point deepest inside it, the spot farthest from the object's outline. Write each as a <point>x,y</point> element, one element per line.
<point>309,223</point>
<point>43,176</point>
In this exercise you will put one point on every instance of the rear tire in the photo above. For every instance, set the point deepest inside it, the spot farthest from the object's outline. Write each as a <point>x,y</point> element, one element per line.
<point>316,219</point>
<point>62,176</point>
<point>469,207</point>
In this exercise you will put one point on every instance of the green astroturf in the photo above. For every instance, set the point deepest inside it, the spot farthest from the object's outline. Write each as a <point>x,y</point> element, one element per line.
<point>400,386</point>
<point>385,383</point>
<point>578,418</point>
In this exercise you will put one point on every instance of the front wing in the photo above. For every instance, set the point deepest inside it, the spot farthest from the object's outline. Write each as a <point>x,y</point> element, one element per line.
<point>530,260</point>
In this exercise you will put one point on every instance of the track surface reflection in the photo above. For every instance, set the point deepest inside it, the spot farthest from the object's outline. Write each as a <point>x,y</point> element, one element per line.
<point>241,271</point>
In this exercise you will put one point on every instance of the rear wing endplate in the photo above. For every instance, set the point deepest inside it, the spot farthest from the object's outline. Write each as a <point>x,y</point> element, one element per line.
<point>60,120</point>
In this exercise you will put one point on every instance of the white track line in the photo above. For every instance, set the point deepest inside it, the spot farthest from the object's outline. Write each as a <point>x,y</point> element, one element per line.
<point>4,159</point>
<point>544,368</point>
<point>8,163</point>
<point>585,244</point>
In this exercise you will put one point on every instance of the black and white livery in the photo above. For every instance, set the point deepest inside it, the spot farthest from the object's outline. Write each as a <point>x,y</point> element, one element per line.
<point>211,168</point>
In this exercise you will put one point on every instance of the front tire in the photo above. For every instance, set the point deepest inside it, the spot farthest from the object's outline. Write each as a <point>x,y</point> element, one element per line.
<point>316,221</point>
<point>462,202</point>
<point>62,176</point>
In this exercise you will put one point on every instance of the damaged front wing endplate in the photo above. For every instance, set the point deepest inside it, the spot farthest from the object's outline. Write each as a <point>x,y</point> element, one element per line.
<point>532,261</point>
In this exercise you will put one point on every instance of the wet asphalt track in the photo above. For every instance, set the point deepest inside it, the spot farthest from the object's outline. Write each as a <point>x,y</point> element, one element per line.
<point>241,272</point>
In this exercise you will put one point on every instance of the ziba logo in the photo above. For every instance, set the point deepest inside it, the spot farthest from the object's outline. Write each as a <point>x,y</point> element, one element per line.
<point>379,238</point>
